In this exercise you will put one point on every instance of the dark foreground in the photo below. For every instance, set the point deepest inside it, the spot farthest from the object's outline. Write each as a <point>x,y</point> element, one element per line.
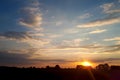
<point>13,73</point>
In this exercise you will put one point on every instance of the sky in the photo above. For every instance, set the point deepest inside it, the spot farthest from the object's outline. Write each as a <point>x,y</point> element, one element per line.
<point>65,32</point>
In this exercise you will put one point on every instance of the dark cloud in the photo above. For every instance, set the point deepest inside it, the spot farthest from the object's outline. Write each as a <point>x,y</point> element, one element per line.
<point>15,35</point>
<point>28,38</point>
<point>7,58</point>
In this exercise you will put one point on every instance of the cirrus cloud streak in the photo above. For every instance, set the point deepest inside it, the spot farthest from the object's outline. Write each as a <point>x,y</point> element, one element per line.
<point>98,23</point>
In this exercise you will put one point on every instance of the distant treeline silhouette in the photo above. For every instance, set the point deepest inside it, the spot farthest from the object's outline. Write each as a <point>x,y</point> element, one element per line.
<point>101,72</point>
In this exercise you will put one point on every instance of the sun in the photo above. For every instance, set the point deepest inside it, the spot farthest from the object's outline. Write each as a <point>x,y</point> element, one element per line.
<point>86,63</point>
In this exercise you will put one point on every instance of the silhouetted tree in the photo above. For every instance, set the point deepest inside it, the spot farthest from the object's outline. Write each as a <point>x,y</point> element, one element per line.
<point>79,67</point>
<point>47,67</point>
<point>103,67</point>
<point>57,67</point>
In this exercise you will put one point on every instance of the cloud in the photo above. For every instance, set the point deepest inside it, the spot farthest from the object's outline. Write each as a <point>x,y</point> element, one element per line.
<point>84,16</point>
<point>105,60</point>
<point>26,57</point>
<point>58,23</point>
<point>54,35</point>
<point>119,1</point>
<point>91,48</point>
<point>113,11</point>
<point>114,49</point>
<point>71,31</point>
<point>91,52</point>
<point>29,51</point>
<point>31,16</point>
<point>97,31</point>
<point>106,7</point>
<point>14,58</point>
<point>51,60</point>
<point>37,34</point>
<point>118,42</point>
<point>117,39</point>
<point>103,49</point>
<point>24,37</point>
<point>74,42</point>
<point>99,23</point>
<point>36,43</point>
<point>15,35</point>
<point>110,8</point>
<point>109,49</point>
<point>113,39</point>
<point>7,58</point>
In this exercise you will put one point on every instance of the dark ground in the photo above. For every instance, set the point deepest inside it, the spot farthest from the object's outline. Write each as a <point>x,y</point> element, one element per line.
<point>13,73</point>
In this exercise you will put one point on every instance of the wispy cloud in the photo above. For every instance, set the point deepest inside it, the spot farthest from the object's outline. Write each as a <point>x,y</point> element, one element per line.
<point>37,34</point>
<point>113,39</point>
<point>111,59</point>
<point>74,42</point>
<point>103,48</point>
<point>118,42</point>
<point>119,1</point>
<point>91,48</point>
<point>117,39</point>
<point>97,31</point>
<point>98,23</point>
<point>24,37</point>
<point>36,43</point>
<point>110,8</point>
<point>31,16</point>
<point>15,35</point>
<point>84,16</point>
<point>113,11</point>
<point>58,23</point>
<point>54,35</point>
<point>111,49</point>
<point>107,6</point>
<point>71,31</point>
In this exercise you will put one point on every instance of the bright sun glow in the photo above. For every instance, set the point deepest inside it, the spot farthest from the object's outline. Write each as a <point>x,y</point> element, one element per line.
<point>86,63</point>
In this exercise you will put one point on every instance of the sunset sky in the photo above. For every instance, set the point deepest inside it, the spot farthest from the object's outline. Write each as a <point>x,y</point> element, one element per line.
<point>65,32</point>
